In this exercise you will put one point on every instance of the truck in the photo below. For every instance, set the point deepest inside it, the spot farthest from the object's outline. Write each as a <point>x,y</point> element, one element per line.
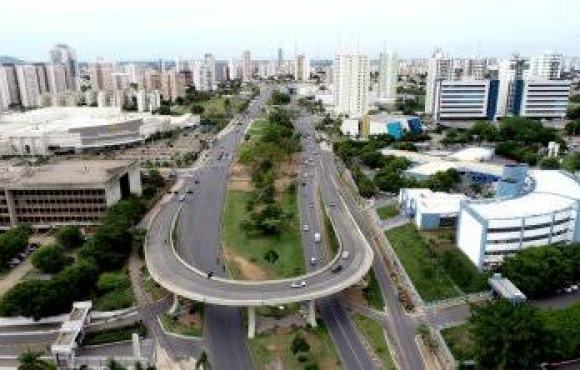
<point>317,238</point>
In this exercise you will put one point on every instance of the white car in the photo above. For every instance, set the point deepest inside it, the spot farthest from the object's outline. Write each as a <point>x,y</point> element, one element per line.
<point>345,255</point>
<point>305,227</point>
<point>303,284</point>
<point>295,284</point>
<point>313,261</point>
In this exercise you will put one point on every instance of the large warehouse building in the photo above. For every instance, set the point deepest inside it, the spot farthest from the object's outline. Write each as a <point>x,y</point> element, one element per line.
<point>542,210</point>
<point>64,193</point>
<point>57,130</point>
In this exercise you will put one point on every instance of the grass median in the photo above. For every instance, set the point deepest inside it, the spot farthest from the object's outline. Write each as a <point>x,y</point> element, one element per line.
<point>374,333</point>
<point>247,254</point>
<point>286,350</point>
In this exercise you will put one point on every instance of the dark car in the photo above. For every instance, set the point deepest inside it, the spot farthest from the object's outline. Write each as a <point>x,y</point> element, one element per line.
<point>336,268</point>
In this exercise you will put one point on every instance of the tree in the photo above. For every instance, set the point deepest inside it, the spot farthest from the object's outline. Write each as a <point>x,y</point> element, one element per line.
<point>271,256</point>
<point>540,271</point>
<point>50,259</point>
<point>155,179</point>
<point>197,109</point>
<point>571,162</point>
<point>508,336</point>
<point>299,344</point>
<point>70,237</point>
<point>32,361</point>
<point>114,365</point>
<point>12,242</point>
<point>551,163</point>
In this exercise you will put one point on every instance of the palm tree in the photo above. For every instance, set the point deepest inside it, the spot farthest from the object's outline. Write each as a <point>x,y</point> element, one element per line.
<point>31,361</point>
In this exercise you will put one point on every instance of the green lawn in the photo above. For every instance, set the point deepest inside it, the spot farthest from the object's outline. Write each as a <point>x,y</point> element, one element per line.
<point>429,279</point>
<point>173,325</point>
<point>388,211</point>
<point>213,106</point>
<point>268,348</point>
<point>372,292</point>
<point>375,335</point>
<point>119,297</point>
<point>330,234</point>
<point>459,341</point>
<point>114,335</point>
<point>288,245</point>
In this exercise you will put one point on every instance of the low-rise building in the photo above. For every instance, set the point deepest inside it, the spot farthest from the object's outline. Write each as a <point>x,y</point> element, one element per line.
<point>58,130</point>
<point>429,209</point>
<point>394,125</point>
<point>64,193</point>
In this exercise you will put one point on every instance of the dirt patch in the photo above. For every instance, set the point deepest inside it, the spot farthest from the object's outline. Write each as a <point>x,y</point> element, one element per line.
<point>248,270</point>
<point>240,178</point>
<point>355,295</point>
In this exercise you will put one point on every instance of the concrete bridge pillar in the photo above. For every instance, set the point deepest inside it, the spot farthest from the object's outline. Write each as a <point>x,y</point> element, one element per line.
<point>176,306</point>
<point>312,313</point>
<point>251,322</point>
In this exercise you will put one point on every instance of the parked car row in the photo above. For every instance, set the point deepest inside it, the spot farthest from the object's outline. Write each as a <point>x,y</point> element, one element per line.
<point>22,255</point>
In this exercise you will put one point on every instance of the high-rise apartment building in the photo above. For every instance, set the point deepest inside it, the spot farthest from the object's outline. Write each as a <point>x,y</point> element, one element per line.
<point>301,68</point>
<point>64,54</point>
<point>232,70</point>
<point>476,68</point>
<point>247,66</point>
<point>172,85</point>
<point>351,83</point>
<point>388,71</point>
<point>9,92</point>
<point>546,66</point>
<point>100,74</point>
<point>439,67</point>
<point>280,61</point>
<point>56,78</point>
<point>28,85</point>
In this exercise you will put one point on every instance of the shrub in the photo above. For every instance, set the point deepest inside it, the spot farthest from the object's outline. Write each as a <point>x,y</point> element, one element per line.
<point>50,259</point>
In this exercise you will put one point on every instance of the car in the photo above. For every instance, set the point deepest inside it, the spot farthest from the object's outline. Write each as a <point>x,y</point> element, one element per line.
<point>209,274</point>
<point>295,284</point>
<point>568,290</point>
<point>317,238</point>
<point>190,191</point>
<point>302,284</point>
<point>196,181</point>
<point>345,255</point>
<point>313,261</point>
<point>175,192</point>
<point>182,197</point>
<point>303,183</point>
<point>333,205</point>
<point>336,268</point>
<point>305,227</point>
<point>574,287</point>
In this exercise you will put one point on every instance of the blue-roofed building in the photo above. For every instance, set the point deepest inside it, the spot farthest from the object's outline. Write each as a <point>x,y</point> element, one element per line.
<point>394,125</point>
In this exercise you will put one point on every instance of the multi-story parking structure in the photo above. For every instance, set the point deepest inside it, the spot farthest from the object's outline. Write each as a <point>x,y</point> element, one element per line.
<point>68,192</point>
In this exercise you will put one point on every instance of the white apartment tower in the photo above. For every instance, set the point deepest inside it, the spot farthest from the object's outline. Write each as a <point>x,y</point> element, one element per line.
<point>64,54</point>
<point>247,67</point>
<point>28,85</point>
<point>56,78</point>
<point>388,70</point>
<point>232,70</point>
<point>351,84</point>
<point>9,86</point>
<point>546,66</point>
<point>438,68</point>
<point>301,68</point>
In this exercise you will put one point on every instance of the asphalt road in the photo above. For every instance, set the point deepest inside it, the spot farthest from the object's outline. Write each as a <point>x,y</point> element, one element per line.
<point>351,350</point>
<point>400,326</point>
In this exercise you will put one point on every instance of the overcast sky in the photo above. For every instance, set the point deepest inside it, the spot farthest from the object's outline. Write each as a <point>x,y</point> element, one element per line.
<point>145,29</point>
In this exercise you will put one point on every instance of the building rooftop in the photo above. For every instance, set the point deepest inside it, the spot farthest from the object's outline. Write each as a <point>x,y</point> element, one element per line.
<point>39,121</point>
<point>475,154</point>
<point>437,163</point>
<point>75,173</point>
<point>553,191</point>
<point>428,201</point>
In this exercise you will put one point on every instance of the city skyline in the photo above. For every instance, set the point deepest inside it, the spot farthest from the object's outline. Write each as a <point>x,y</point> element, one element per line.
<point>150,31</point>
